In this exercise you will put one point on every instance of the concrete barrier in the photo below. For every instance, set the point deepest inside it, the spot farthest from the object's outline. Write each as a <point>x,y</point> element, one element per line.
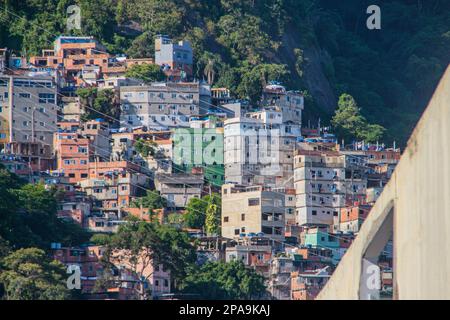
<point>416,205</point>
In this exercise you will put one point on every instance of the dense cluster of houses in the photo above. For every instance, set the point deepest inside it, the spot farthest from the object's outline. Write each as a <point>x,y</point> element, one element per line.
<point>293,198</point>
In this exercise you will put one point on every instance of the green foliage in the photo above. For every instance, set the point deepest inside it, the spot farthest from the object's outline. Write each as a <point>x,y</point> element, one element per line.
<point>254,79</point>
<point>175,219</point>
<point>28,216</point>
<point>29,274</point>
<point>196,212</point>
<point>139,244</point>
<point>350,124</point>
<point>100,239</point>
<point>98,104</point>
<point>391,72</point>
<point>4,248</point>
<point>146,72</point>
<point>213,216</point>
<point>145,147</point>
<point>152,200</point>
<point>220,281</point>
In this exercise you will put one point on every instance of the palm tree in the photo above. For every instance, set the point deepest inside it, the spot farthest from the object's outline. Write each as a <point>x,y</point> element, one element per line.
<point>209,71</point>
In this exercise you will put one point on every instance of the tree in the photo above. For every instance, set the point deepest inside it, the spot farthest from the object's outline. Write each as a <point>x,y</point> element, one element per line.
<point>213,214</point>
<point>350,124</point>
<point>30,275</point>
<point>153,200</point>
<point>254,79</point>
<point>142,46</point>
<point>138,246</point>
<point>146,72</point>
<point>28,215</point>
<point>196,212</point>
<point>98,104</point>
<point>220,280</point>
<point>145,148</point>
<point>100,239</point>
<point>211,64</point>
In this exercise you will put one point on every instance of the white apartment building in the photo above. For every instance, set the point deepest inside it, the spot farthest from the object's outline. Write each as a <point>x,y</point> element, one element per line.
<point>162,106</point>
<point>259,149</point>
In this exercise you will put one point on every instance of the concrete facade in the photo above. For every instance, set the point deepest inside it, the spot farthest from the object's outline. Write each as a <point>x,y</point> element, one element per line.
<point>258,149</point>
<point>164,105</point>
<point>28,110</point>
<point>415,207</point>
<point>252,210</point>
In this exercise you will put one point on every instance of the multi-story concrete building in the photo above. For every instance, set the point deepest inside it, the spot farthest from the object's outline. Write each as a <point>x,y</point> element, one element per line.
<point>290,103</point>
<point>76,58</point>
<point>254,252</point>
<point>320,186</point>
<point>97,131</point>
<point>179,188</point>
<point>306,285</point>
<point>158,161</point>
<point>259,149</point>
<point>163,106</point>
<point>176,56</point>
<point>279,284</point>
<point>289,205</point>
<point>252,211</point>
<point>71,109</point>
<point>113,185</point>
<point>200,147</point>
<point>352,217</point>
<point>73,153</point>
<point>28,113</point>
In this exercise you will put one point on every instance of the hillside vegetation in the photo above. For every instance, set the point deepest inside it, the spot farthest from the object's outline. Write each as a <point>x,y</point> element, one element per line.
<point>320,47</point>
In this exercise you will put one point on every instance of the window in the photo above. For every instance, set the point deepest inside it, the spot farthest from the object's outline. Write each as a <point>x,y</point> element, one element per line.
<point>46,98</point>
<point>25,95</point>
<point>166,283</point>
<point>314,212</point>
<point>253,202</point>
<point>84,175</point>
<point>236,232</point>
<point>82,150</point>
<point>225,219</point>
<point>242,217</point>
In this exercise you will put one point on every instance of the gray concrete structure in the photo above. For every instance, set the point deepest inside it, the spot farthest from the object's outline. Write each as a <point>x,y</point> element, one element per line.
<point>415,208</point>
<point>28,110</point>
<point>162,106</point>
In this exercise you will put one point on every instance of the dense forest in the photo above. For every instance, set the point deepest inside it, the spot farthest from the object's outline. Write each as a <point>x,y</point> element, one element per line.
<point>320,47</point>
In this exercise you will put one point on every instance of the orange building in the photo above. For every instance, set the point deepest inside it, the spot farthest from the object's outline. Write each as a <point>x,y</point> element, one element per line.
<point>306,285</point>
<point>71,55</point>
<point>351,218</point>
<point>72,155</point>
